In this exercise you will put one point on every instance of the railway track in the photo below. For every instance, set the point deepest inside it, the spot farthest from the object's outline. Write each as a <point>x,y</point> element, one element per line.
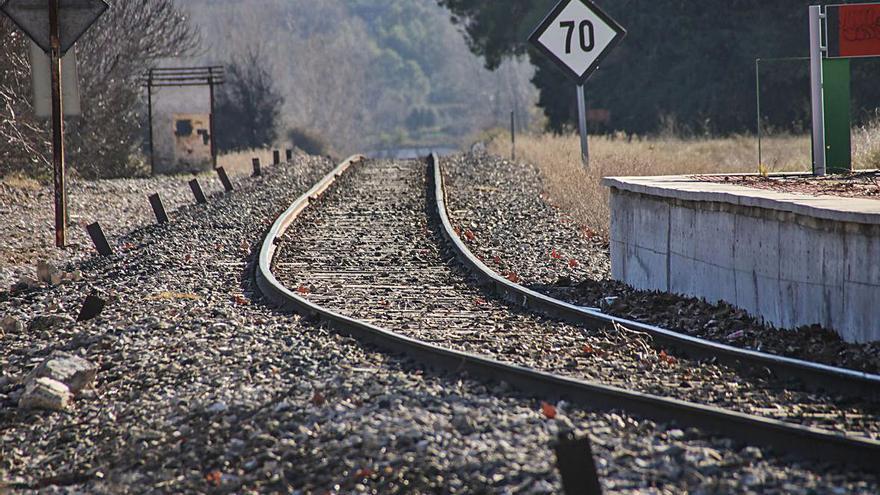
<point>809,375</point>
<point>372,258</point>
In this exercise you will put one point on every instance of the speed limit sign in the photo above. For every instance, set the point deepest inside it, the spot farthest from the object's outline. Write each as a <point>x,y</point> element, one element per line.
<point>577,35</point>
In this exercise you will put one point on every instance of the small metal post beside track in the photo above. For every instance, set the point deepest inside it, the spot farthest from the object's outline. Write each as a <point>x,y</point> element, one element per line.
<point>257,169</point>
<point>99,239</point>
<point>513,136</point>
<point>276,157</point>
<point>817,97</point>
<point>197,191</point>
<point>574,458</point>
<point>224,178</point>
<point>91,308</point>
<point>158,208</point>
<point>289,155</point>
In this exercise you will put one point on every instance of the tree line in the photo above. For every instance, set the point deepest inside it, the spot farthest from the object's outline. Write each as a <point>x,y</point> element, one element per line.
<point>684,64</point>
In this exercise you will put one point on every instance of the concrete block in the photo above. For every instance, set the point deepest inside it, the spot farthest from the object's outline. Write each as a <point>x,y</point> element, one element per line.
<point>647,268</point>
<point>811,275</point>
<point>861,313</point>
<point>639,236</point>
<point>701,254</point>
<point>756,262</point>
<point>863,256</point>
<point>650,223</point>
<point>789,260</point>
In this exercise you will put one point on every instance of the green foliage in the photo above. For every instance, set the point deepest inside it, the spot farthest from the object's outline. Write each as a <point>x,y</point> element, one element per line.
<point>692,60</point>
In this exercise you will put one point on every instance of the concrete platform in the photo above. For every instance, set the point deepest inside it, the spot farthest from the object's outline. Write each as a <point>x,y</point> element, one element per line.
<point>792,259</point>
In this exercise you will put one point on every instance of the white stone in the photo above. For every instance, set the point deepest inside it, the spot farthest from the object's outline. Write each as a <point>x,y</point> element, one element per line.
<point>48,273</point>
<point>45,393</point>
<point>74,372</point>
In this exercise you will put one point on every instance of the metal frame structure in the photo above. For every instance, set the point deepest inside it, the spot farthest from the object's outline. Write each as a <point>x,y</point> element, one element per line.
<point>179,77</point>
<point>760,132</point>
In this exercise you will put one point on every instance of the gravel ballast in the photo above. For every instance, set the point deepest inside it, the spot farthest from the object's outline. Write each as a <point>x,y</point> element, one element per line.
<point>517,230</point>
<point>201,388</point>
<point>366,250</point>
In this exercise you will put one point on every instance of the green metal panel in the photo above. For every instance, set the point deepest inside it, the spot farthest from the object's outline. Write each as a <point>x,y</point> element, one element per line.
<point>838,138</point>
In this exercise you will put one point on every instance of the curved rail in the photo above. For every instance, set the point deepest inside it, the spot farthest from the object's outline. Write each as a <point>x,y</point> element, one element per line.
<point>814,376</point>
<point>797,440</point>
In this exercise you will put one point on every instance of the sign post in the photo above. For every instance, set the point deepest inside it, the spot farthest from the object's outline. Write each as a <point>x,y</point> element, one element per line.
<point>816,92</point>
<point>837,34</point>
<point>57,126</point>
<point>55,26</point>
<point>578,35</point>
<point>582,125</point>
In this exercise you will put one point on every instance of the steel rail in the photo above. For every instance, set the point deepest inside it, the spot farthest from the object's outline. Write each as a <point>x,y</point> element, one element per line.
<point>814,376</point>
<point>796,440</point>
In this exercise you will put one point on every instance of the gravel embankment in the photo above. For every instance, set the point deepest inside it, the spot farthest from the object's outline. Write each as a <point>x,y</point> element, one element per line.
<point>367,250</point>
<point>516,230</point>
<point>203,390</point>
<point>27,215</point>
<point>27,212</point>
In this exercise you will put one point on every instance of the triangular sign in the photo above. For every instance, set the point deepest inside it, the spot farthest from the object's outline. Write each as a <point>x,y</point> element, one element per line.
<point>74,19</point>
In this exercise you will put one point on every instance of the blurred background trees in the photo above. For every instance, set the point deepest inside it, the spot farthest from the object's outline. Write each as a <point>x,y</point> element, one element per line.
<point>360,75</point>
<point>248,109</point>
<point>685,65</point>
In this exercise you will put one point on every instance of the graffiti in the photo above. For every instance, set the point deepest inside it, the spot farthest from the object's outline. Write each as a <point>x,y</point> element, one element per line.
<point>860,24</point>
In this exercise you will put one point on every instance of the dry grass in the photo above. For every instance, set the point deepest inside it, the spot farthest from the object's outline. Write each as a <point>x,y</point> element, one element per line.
<point>579,192</point>
<point>19,180</point>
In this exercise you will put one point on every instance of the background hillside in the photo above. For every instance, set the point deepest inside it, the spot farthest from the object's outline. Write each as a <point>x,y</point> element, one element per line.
<point>366,74</point>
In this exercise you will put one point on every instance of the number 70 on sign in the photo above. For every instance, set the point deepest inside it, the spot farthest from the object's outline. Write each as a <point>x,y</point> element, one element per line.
<point>577,35</point>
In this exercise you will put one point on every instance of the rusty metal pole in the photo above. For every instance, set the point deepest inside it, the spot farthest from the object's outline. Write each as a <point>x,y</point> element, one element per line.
<point>57,126</point>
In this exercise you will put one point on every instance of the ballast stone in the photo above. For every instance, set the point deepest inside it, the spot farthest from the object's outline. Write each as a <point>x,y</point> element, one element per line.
<point>43,323</point>
<point>48,273</point>
<point>11,325</point>
<point>74,372</point>
<point>45,393</point>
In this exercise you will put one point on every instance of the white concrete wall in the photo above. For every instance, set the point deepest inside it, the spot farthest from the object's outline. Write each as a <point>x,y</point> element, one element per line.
<point>791,269</point>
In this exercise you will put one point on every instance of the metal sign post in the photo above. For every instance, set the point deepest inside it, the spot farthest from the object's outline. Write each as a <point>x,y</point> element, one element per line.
<point>838,33</point>
<point>578,35</point>
<point>816,92</point>
<point>55,27</point>
<point>582,125</point>
<point>57,126</point>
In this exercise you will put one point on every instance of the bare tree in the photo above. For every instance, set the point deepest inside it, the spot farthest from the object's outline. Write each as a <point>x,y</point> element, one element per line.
<point>23,139</point>
<point>112,55</point>
<point>249,105</point>
<point>126,41</point>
